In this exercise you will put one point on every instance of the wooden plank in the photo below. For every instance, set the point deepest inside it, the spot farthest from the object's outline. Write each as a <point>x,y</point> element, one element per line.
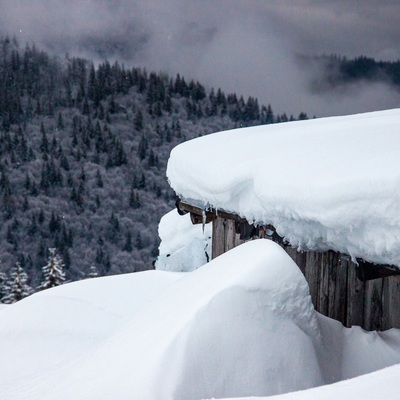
<point>391,303</point>
<point>323,300</point>
<point>373,305</point>
<point>385,303</point>
<point>229,234</point>
<point>312,274</point>
<point>218,237</point>
<point>337,287</point>
<point>341,289</point>
<point>301,260</point>
<point>332,275</point>
<point>355,296</point>
<point>394,302</point>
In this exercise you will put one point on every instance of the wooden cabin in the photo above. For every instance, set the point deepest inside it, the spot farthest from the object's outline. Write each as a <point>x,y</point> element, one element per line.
<point>354,293</point>
<point>329,185</point>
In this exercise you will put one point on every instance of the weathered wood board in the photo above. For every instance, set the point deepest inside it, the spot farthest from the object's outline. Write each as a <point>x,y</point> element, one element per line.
<point>218,231</point>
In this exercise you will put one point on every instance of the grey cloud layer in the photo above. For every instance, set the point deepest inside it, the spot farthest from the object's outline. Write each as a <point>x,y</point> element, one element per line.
<point>243,46</point>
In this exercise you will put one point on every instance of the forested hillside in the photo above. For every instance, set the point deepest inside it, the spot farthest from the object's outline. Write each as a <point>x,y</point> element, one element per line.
<point>83,153</point>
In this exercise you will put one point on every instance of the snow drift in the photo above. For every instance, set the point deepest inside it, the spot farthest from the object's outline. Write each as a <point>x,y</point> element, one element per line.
<point>57,326</point>
<point>329,183</point>
<point>375,386</point>
<point>241,325</point>
<point>233,327</point>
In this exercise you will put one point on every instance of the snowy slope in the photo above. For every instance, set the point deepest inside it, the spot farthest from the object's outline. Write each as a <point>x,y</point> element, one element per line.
<point>242,325</point>
<point>329,183</point>
<point>57,326</point>
<point>375,386</point>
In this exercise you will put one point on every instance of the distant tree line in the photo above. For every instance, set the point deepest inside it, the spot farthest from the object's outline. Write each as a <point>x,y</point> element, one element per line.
<point>337,70</point>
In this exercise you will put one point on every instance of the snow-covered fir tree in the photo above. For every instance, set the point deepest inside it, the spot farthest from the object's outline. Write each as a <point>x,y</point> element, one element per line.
<point>53,271</point>
<point>93,272</point>
<point>3,286</point>
<point>16,288</point>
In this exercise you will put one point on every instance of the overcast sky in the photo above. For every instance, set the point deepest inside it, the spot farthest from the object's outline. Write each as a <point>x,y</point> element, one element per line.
<point>246,46</point>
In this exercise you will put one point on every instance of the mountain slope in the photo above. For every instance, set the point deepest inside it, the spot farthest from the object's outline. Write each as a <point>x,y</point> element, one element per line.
<point>83,152</point>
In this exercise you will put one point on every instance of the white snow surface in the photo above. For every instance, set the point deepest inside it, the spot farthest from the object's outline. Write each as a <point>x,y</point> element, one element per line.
<point>374,386</point>
<point>184,247</point>
<point>242,325</point>
<point>329,183</point>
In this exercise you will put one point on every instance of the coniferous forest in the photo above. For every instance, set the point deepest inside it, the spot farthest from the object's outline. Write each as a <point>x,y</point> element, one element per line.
<point>83,154</point>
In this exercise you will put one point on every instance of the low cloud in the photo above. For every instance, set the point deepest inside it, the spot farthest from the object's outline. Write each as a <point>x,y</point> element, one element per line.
<point>248,47</point>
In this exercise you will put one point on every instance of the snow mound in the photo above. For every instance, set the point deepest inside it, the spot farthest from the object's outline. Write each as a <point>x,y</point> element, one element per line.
<point>329,183</point>
<point>184,247</point>
<point>237,326</point>
<point>58,325</point>
<point>242,325</point>
<point>375,386</point>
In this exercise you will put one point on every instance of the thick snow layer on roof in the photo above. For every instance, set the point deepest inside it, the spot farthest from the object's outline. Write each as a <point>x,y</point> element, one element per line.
<point>329,183</point>
<point>242,325</point>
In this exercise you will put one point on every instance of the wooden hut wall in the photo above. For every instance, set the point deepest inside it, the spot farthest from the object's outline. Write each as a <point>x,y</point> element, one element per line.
<point>334,287</point>
<point>337,292</point>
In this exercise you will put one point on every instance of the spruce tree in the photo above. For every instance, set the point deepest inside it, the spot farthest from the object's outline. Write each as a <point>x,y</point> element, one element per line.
<point>142,148</point>
<point>138,121</point>
<point>139,243</point>
<point>53,271</point>
<point>16,287</point>
<point>99,179</point>
<point>60,121</point>
<point>128,242</point>
<point>134,200</point>
<point>3,286</point>
<point>93,272</point>
<point>44,143</point>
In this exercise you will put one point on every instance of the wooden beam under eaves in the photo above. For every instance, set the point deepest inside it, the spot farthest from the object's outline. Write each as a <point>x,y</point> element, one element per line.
<point>367,271</point>
<point>211,213</point>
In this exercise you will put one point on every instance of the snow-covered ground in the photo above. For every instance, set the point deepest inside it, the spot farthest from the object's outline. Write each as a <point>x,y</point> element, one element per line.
<point>329,183</point>
<point>375,386</point>
<point>242,325</point>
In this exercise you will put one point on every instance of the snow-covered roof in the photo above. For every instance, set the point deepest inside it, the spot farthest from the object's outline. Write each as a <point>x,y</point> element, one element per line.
<point>329,183</point>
